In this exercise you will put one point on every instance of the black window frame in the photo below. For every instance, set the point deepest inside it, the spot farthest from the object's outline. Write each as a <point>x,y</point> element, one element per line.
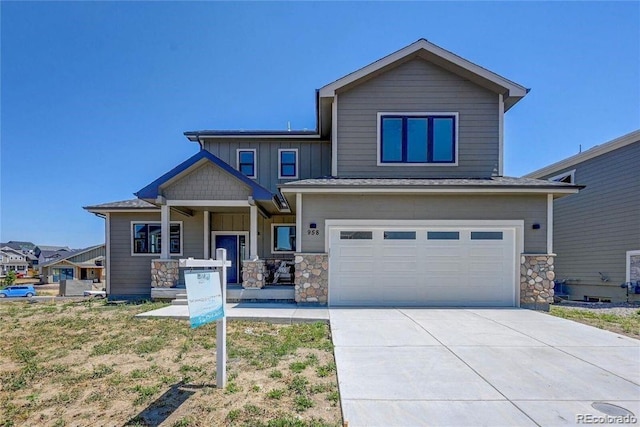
<point>242,164</point>
<point>430,138</point>
<point>138,243</point>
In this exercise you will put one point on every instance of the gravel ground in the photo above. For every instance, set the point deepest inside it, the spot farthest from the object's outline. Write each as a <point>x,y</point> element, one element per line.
<point>620,308</point>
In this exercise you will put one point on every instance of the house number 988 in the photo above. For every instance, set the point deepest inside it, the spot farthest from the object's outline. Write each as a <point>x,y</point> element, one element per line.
<point>313,232</point>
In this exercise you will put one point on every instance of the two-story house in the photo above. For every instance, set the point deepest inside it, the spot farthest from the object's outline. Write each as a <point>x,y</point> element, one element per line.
<point>13,260</point>
<point>397,198</point>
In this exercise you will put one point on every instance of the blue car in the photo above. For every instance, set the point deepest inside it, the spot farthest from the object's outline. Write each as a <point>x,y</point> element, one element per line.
<point>18,291</point>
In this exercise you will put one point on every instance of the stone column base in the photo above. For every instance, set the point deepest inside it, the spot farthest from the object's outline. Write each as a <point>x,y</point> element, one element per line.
<point>164,273</point>
<point>536,281</point>
<point>253,276</point>
<point>311,278</point>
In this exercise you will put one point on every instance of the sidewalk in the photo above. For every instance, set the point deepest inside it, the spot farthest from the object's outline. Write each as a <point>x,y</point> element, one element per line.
<point>271,312</point>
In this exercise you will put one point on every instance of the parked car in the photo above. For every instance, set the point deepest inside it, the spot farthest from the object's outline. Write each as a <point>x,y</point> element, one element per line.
<point>18,291</point>
<point>95,294</point>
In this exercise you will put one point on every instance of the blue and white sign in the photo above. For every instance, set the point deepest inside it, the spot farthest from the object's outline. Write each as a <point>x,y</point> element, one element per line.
<point>204,296</point>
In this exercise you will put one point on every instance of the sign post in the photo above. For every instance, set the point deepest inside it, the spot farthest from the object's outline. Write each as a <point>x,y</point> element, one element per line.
<point>206,298</point>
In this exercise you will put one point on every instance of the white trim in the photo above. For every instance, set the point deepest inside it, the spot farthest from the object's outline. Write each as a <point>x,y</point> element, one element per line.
<point>500,135</point>
<point>589,154</point>
<point>273,226</point>
<point>513,88</point>
<point>206,235</point>
<point>255,161</point>
<point>516,225</point>
<point>107,238</point>
<point>280,150</point>
<point>157,255</point>
<point>298,223</point>
<point>334,136</point>
<point>549,223</point>
<point>560,177</point>
<point>253,232</point>
<point>411,114</point>
<point>209,203</point>
<point>165,220</point>
<point>393,190</point>
<point>628,272</point>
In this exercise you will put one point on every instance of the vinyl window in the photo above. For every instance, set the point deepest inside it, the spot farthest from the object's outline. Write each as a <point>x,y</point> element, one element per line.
<point>247,162</point>
<point>417,138</point>
<point>146,238</point>
<point>283,238</point>
<point>287,164</point>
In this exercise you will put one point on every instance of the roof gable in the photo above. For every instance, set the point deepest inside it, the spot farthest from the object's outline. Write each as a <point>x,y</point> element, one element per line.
<point>428,51</point>
<point>598,150</point>
<point>153,190</point>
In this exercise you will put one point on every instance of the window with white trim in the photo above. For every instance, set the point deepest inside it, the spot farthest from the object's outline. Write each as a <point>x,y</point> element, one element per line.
<point>288,163</point>
<point>146,238</point>
<point>246,162</point>
<point>283,238</point>
<point>417,138</point>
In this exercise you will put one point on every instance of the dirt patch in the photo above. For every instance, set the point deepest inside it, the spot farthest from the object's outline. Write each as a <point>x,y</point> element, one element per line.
<point>92,364</point>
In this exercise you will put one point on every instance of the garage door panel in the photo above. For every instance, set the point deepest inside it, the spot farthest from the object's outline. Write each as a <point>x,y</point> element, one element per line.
<point>422,271</point>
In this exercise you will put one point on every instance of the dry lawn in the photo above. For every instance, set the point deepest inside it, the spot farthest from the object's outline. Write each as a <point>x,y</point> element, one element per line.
<point>625,324</point>
<point>89,363</point>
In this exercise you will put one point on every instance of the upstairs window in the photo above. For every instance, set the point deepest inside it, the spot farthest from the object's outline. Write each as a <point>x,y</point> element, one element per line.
<point>247,162</point>
<point>287,164</point>
<point>417,138</point>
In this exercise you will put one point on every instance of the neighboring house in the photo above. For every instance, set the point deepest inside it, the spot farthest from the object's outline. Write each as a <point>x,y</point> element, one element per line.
<point>46,253</point>
<point>25,247</point>
<point>80,264</point>
<point>13,260</point>
<point>397,198</point>
<point>597,232</point>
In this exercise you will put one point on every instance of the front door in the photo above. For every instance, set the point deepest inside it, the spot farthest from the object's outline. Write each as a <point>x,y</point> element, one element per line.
<point>235,246</point>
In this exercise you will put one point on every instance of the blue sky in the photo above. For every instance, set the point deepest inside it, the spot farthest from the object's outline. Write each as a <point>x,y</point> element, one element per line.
<point>95,95</point>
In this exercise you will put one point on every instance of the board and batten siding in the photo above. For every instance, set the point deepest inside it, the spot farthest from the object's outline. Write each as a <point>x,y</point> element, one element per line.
<point>239,221</point>
<point>314,157</point>
<point>93,253</point>
<point>418,86</point>
<point>131,275</point>
<point>532,209</point>
<point>595,228</point>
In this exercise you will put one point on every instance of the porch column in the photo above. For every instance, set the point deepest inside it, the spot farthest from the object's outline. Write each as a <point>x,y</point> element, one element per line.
<point>164,231</point>
<point>253,232</point>
<point>207,235</point>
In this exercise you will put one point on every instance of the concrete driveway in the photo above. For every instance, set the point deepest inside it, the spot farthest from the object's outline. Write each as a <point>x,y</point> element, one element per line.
<point>473,367</point>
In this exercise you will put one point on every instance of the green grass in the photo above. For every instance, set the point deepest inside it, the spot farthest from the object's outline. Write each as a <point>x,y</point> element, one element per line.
<point>627,325</point>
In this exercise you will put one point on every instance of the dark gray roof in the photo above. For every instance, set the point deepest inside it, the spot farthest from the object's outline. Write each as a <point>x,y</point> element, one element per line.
<point>123,204</point>
<point>18,245</point>
<point>197,133</point>
<point>492,182</point>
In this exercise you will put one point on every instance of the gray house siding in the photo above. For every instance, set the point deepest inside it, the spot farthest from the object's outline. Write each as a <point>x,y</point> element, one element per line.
<point>314,157</point>
<point>595,228</point>
<point>531,209</point>
<point>239,221</point>
<point>131,275</point>
<point>418,86</point>
<point>207,182</point>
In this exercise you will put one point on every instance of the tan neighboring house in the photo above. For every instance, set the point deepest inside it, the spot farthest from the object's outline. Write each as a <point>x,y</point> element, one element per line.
<point>81,264</point>
<point>397,198</point>
<point>597,232</point>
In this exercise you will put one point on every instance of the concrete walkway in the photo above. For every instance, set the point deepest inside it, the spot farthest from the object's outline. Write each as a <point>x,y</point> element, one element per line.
<point>277,313</point>
<point>474,367</point>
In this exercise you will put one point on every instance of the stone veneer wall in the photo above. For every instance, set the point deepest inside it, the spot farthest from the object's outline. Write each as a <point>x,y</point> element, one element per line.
<point>253,274</point>
<point>164,273</point>
<point>311,278</point>
<point>536,281</point>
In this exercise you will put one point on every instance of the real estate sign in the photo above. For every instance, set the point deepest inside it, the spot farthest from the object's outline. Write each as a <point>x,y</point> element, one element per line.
<point>204,296</point>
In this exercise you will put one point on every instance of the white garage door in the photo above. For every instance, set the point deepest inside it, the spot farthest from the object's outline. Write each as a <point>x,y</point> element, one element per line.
<point>422,266</point>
